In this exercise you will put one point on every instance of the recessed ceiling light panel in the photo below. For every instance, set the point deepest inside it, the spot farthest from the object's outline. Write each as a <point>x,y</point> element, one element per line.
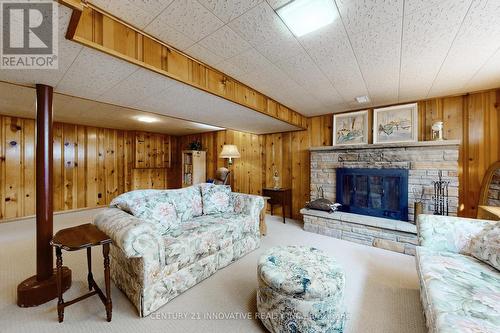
<point>362,99</point>
<point>146,119</point>
<point>305,16</point>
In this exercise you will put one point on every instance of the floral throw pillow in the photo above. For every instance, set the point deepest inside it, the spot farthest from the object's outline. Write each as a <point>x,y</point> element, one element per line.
<point>216,199</point>
<point>486,245</point>
<point>128,199</point>
<point>158,210</point>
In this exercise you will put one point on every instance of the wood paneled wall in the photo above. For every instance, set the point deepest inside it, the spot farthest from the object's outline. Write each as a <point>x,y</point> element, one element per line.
<point>474,119</point>
<point>262,155</point>
<point>246,172</point>
<point>91,166</point>
<point>288,153</point>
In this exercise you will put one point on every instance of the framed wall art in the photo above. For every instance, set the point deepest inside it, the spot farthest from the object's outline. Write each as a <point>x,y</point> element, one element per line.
<point>395,124</point>
<point>350,128</point>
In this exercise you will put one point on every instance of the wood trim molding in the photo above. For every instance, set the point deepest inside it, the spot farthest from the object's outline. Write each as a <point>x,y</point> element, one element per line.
<point>95,28</point>
<point>73,24</point>
<point>73,4</point>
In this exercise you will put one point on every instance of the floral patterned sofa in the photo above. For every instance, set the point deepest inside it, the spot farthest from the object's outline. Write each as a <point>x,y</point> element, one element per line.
<point>166,241</point>
<point>459,292</point>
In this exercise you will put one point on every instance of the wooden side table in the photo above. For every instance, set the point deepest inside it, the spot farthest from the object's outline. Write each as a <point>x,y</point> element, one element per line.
<point>279,196</point>
<point>84,236</point>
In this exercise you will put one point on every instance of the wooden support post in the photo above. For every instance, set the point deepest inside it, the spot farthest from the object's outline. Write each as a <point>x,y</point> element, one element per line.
<point>44,175</point>
<point>42,287</point>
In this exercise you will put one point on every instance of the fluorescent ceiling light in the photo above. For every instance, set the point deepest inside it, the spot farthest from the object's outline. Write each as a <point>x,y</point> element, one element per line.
<point>362,99</point>
<point>305,16</point>
<point>207,127</point>
<point>146,119</point>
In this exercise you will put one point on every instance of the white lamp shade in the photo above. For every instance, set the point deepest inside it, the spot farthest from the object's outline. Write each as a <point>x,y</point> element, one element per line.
<point>229,151</point>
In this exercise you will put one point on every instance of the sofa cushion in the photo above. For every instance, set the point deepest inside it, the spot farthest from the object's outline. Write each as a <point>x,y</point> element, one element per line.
<point>216,198</point>
<point>486,246</point>
<point>187,202</point>
<point>157,209</point>
<point>203,236</point>
<point>459,293</point>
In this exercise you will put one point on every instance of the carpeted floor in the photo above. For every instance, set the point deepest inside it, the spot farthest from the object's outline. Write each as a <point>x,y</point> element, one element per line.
<point>381,288</point>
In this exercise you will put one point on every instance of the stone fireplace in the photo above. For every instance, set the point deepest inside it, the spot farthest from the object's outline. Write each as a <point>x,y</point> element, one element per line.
<point>378,186</point>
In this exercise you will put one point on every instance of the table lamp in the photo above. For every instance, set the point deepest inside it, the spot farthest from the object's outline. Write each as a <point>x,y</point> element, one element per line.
<point>230,152</point>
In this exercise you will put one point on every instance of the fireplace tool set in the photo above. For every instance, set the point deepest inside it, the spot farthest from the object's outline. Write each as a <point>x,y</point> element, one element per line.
<point>440,196</point>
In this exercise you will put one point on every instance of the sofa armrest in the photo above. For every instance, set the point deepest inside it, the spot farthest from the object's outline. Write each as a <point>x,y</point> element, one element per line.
<point>248,204</point>
<point>447,233</point>
<point>135,237</point>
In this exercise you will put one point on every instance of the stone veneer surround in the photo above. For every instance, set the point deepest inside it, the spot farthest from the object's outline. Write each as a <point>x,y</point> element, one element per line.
<point>423,161</point>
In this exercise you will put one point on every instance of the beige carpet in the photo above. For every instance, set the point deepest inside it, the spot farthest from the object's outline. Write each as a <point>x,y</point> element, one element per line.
<point>381,292</point>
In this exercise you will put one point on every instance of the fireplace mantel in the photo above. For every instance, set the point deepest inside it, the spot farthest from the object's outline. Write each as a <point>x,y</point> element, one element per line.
<point>443,143</point>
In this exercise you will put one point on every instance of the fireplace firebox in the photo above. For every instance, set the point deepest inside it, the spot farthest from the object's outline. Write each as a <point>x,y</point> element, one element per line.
<point>373,192</point>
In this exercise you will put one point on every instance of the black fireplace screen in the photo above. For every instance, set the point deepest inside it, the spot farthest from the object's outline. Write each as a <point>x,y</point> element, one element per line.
<point>374,192</point>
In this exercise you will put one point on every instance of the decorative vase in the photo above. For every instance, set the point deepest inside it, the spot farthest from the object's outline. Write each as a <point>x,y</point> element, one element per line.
<point>437,131</point>
<point>276,180</point>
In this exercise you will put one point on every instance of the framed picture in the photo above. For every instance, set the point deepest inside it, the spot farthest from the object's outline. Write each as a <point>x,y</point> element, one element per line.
<point>395,124</point>
<point>350,128</point>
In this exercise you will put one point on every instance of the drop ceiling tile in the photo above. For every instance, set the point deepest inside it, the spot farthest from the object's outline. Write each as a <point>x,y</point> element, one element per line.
<point>138,86</point>
<point>364,15</point>
<point>17,101</point>
<point>225,43</point>
<point>488,76</point>
<point>190,18</point>
<point>330,48</point>
<point>92,73</point>
<point>477,40</point>
<point>128,11</point>
<point>248,61</point>
<point>188,103</point>
<point>277,3</point>
<point>204,55</point>
<point>378,54</point>
<point>259,80</point>
<point>228,10</point>
<point>167,34</point>
<point>411,6</point>
<point>281,48</point>
<point>67,53</point>
<point>259,25</point>
<point>427,37</point>
<point>305,73</point>
<point>150,6</point>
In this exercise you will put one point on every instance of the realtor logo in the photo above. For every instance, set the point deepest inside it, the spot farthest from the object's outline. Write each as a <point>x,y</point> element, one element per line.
<point>29,34</point>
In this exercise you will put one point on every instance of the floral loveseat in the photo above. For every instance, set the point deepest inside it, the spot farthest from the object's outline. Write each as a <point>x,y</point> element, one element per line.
<point>166,241</point>
<point>459,292</point>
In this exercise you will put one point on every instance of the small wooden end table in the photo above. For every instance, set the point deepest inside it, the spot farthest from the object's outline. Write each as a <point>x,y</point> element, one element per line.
<point>81,237</point>
<point>279,196</point>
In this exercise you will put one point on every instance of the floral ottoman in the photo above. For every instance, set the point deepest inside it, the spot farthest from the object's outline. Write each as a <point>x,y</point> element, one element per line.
<point>300,290</point>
